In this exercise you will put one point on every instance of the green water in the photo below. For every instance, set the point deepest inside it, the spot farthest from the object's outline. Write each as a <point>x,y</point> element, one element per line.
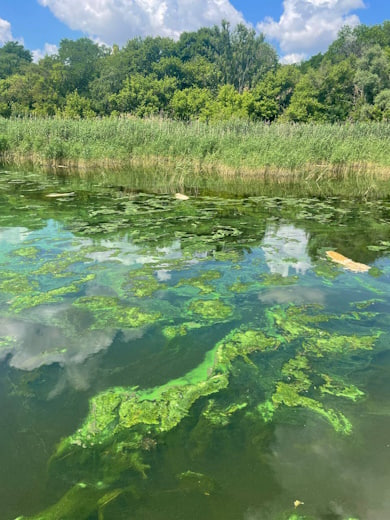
<point>162,359</point>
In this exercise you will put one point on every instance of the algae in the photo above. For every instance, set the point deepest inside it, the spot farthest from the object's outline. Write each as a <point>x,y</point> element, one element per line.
<point>27,252</point>
<point>35,298</point>
<point>201,282</point>
<point>211,309</point>
<point>110,313</point>
<point>338,388</point>
<point>16,283</point>
<point>276,279</point>
<point>174,331</point>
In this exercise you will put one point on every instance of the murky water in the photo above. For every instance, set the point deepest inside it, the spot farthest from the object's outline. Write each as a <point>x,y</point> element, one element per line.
<point>166,359</point>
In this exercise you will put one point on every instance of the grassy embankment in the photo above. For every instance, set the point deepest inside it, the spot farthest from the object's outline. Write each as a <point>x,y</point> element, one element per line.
<point>227,148</point>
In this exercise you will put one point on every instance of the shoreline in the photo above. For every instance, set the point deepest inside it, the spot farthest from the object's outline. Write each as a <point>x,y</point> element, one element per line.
<point>307,171</point>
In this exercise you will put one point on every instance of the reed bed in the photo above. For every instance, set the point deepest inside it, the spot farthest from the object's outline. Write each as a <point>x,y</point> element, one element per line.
<point>226,148</point>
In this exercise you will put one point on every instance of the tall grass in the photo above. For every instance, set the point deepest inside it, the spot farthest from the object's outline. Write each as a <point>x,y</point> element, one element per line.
<point>227,147</point>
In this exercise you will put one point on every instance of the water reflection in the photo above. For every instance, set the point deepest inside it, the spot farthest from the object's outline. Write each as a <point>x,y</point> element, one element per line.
<point>286,250</point>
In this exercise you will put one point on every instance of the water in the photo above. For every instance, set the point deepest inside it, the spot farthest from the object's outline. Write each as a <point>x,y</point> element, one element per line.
<point>162,359</point>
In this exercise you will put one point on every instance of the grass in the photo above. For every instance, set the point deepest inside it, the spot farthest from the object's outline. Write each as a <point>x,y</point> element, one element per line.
<point>229,149</point>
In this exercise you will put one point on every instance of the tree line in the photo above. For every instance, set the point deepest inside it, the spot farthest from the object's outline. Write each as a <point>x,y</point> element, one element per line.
<point>215,73</point>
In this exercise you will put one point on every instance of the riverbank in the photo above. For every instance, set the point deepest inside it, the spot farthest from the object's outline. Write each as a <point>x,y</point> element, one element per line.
<point>251,149</point>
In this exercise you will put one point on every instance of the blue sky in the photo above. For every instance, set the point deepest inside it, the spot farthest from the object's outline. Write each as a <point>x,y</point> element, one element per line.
<point>307,26</point>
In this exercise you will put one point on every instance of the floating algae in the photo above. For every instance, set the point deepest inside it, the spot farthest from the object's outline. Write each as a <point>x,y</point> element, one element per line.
<point>211,309</point>
<point>201,282</point>
<point>27,252</point>
<point>298,361</point>
<point>14,283</point>
<point>28,301</point>
<point>111,313</point>
<point>174,331</point>
<point>121,420</point>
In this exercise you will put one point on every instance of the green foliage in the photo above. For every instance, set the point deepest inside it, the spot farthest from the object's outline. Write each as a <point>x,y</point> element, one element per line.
<point>77,107</point>
<point>216,73</point>
<point>13,59</point>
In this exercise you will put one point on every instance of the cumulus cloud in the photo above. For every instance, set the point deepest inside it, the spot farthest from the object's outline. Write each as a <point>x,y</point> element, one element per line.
<point>307,27</point>
<point>48,50</point>
<point>5,31</point>
<point>116,21</point>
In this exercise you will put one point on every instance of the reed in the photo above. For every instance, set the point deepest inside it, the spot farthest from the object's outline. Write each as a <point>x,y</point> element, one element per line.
<point>227,148</point>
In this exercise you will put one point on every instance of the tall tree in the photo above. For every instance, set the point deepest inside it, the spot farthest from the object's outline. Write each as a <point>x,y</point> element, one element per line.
<point>13,59</point>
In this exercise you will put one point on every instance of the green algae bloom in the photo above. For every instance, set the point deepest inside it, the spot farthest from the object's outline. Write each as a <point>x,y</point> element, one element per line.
<point>240,287</point>
<point>338,388</point>
<point>221,415</point>
<point>174,331</point>
<point>331,344</point>
<point>59,266</point>
<point>211,309</point>
<point>6,343</point>
<point>27,252</point>
<point>16,283</point>
<point>201,282</point>
<point>275,279</point>
<point>111,313</point>
<point>34,299</point>
<point>291,358</point>
<point>289,395</point>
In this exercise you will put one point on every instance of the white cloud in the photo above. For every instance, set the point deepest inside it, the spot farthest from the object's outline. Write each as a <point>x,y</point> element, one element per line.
<point>116,21</point>
<point>295,57</point>
<point>307,27</point>
<point>48,50</point>
<point>5,31</point>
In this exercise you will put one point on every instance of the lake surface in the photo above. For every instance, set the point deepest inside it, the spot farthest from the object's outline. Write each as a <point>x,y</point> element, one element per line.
<point>166,359</point>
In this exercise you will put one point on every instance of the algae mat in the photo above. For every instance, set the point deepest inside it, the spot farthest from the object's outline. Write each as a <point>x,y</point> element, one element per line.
<point>164,357</point>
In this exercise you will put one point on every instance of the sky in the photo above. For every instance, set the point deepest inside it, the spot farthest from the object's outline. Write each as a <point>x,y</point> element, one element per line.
<point>298,28</point>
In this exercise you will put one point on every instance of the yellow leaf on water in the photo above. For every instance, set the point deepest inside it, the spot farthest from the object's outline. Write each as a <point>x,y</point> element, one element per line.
<point>347,263</point>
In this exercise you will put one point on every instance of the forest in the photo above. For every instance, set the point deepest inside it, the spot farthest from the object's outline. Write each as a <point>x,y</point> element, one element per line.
<point>213,74</point>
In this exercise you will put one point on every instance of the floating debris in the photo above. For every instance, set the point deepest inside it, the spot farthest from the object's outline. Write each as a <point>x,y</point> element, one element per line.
<point>180,196</point>
<point>58,195</point>
<point>298,503</point>
<point>347,263</point>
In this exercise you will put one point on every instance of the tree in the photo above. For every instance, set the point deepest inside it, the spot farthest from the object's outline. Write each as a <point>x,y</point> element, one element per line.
<point>190,103</point>
<point>80,59</point>
<point>144,95</point>
<point>14,58</point>
<point>305,105</point>
<point>77,107</point>
<point>272,95</point>
<point>243,57</point>
<point>382,104</point>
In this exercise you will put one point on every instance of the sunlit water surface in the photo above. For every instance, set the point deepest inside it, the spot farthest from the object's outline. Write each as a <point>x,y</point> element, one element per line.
<point>264,369</point>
